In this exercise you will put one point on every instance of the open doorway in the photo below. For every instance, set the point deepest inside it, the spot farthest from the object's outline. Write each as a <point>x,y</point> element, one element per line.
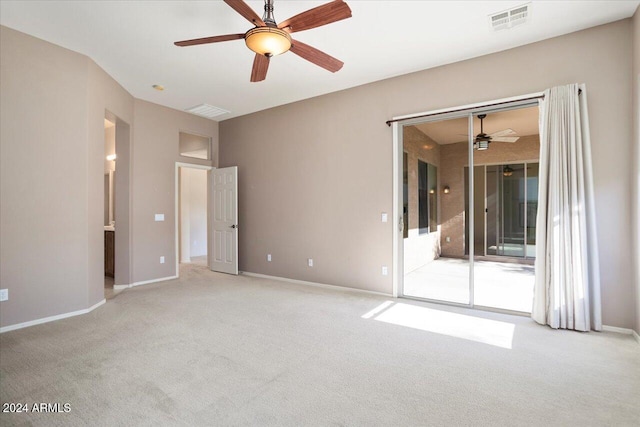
<point>193,216</point>
<point>116,210</point>
<point>109,206</point>
<point>469,239</point>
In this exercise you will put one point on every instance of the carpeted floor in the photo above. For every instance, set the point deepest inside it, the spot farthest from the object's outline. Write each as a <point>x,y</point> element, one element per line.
<point>212,349</point>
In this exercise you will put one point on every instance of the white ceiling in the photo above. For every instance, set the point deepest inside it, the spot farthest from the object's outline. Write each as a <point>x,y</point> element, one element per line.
<point>523,121</point>
<point>133,42</point>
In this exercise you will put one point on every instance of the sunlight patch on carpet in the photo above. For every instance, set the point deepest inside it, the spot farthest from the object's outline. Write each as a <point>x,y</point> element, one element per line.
<point>487,331</point>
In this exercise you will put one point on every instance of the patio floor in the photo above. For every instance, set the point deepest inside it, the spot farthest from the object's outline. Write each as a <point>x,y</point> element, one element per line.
<point>503,285</point>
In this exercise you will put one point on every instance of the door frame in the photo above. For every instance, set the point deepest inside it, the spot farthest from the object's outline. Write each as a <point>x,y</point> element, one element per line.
<point>177,209</point>
<point>122,184</point>
<point>469,111</point>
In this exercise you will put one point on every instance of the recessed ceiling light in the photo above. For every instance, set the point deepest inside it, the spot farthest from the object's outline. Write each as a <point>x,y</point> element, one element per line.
<point>158,87</point>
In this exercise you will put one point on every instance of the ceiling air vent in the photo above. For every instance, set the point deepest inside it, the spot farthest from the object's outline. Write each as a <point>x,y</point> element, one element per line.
<point>206,110</point>
<point>510,18</point>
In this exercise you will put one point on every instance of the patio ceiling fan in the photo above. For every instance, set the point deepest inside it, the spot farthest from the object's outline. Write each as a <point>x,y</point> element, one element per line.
<point>482,140</point>
<point>268,38</point>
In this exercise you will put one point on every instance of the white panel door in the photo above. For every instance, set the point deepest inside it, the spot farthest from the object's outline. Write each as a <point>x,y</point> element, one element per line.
<point>225,220</point>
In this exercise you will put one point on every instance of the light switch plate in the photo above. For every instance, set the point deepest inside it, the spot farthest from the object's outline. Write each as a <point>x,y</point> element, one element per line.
<point>385,217</point>
<point>269,257</point>
<point>159,217</point>
<point>310,262</point>
<point>385,270</point>
<point>161,260</point>
<point>4,294</point>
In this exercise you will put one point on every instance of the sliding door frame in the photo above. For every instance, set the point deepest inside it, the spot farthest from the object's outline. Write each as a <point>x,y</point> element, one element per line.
<point>470,111</point>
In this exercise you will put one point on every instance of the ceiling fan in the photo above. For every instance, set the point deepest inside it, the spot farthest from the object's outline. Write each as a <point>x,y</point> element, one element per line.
<point>482,140</point>
<point>268,39</point>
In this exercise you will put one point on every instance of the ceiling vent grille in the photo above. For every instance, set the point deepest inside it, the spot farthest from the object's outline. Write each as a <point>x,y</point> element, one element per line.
<point>510,18</point>
<point>206,110</point>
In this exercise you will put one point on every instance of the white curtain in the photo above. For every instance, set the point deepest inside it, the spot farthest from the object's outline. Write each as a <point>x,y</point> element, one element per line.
<point>567,276</point>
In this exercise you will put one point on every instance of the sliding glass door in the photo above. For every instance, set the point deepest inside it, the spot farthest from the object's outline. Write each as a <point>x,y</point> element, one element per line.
<point>506,202</point>
<point>469,198</point>
<point>435,265</point>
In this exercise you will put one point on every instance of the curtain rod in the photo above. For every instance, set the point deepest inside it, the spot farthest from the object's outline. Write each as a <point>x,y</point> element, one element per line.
<point>466,109</point>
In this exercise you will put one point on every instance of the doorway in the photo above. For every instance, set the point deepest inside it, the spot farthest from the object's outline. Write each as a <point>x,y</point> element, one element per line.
<point>116,209</point>
<point>109,206</point>
<point>469,238</point>
<point>193,214</point>
<point>506,205</point>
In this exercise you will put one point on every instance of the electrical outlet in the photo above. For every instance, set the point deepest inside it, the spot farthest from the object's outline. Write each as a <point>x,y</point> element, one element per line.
<point>4,294</point>
<point>385,270</point>
<point>269,257</point>
<point>310,262</point>
<point>161,260</point>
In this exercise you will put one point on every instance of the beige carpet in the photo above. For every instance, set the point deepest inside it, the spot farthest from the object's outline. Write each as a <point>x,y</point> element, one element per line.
<point>212,349</point>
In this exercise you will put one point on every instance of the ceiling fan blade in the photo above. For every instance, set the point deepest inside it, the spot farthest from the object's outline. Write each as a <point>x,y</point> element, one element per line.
<point>243,9</point>
<point>505,139</point>
<point>316,56</point>
<point>504,132</point>
<point>260,67</point>
<point>316,17</point>
<point>205,40</point>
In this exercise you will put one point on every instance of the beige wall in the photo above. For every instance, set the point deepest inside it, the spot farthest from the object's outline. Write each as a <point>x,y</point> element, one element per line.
<point>155,154</point>
<point>106,96</point>
<point>636,161</point>
<point>52,112</point>
<point>315,175</point>
<point>419,249</point>
<point>454,158</point>
<point>53,136</point>
<point>43,178</point>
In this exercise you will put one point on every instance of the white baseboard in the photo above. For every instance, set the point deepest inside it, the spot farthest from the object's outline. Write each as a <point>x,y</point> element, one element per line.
<point>144,282</point>
<point>316,284</point>
<point>624,331</point>
<point>50,318</point>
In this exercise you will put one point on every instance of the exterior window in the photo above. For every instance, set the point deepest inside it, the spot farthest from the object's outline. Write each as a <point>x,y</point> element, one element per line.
<point>405,197</point>
<point>427,197</point>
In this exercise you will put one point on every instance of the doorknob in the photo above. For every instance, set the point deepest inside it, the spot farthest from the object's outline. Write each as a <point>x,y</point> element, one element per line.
<point>234,226</point>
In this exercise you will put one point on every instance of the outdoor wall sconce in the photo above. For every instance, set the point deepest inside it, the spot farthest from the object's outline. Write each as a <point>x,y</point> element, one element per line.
<point>446,189</point>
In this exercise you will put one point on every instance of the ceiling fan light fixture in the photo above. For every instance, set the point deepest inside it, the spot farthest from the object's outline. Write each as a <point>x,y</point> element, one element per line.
<point>507,171</point>
<point>268,41</point>
<point>481,145</point>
